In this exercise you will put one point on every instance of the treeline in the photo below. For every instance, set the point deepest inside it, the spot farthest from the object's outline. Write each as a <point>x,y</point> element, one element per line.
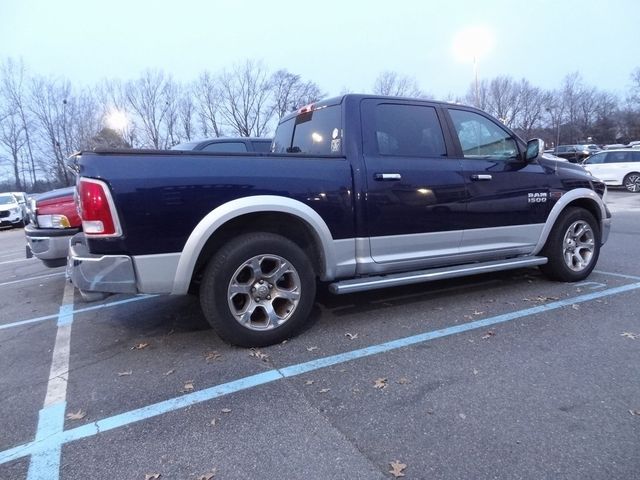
<point>43,120</point>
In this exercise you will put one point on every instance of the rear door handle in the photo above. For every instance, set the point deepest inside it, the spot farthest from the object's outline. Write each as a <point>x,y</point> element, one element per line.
<point>386,177</point>
<point>481,176</point>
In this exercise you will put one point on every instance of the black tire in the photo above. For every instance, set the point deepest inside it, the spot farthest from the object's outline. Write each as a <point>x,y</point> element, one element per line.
<point>561,255</point>
<point>631,182</point>
<point>242,264</point>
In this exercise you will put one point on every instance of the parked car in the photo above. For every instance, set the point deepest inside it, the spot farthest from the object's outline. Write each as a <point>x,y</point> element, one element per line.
<point>23,201</point>
<point>573,153</point>
<point>227,144</point>
<point>54,220</point>
<point>11,211</point>
<point>616,168</point>
<point>360,191</point>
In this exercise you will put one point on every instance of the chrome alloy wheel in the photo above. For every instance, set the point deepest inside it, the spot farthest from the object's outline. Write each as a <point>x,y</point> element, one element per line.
<point>578,246</point>
<point>632,182</point>
<point>264,292</point>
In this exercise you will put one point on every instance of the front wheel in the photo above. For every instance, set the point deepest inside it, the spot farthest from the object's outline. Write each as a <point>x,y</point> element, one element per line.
<point>632,182</point>
<point>573,246</point>
<point>258,290</point>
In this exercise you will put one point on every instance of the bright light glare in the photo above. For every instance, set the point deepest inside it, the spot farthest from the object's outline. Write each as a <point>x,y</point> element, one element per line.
<point>471,43</point>
<point>117,120</point>
<point>316,137</point>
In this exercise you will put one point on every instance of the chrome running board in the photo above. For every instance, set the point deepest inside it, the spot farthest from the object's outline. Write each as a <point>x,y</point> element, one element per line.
<point>431,275</point>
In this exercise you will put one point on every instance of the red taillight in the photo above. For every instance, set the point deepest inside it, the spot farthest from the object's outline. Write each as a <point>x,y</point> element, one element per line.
<point>96,209</point>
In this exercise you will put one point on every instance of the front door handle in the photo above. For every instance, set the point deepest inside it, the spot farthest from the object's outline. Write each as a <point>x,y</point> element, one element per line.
<point>387,177</point>
<point>481,176</point>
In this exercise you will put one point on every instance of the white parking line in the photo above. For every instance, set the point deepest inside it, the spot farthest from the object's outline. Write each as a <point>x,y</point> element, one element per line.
<point>16,254</point>
<point>15,261</point>
<point>31,278</point>
<point>46,464</point>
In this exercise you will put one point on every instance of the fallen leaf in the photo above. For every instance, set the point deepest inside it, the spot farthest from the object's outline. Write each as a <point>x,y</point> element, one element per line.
<point>226,410</point>
<point>475,312</point>
<point>140,346</point>
<point>311,349</point>
<point>397,468</point>
<point>575,306</point>
<point>430,412</point>
<point>207,476</point>
<point>462,416</point>
<point>124,374</point>
<point>258,354</point>
<point>380,383</point>
<point>635,413</point>
<point>630,335</point>
<point>79,415</point>
<point>151,476</point>
<point>324,390</point>
<point>489,334</point>
<point>213,422</point>
<point>475,371</point>
<point>188,386</point>
<point>210,356</point>
<point>309,382</point>
<point>169,372</point>
<point>351,336</point>
<point>403,381</point>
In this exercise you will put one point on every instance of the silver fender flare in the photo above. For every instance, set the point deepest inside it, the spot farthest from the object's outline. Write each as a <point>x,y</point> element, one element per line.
<point>561,204</point>
<point>242,206</point>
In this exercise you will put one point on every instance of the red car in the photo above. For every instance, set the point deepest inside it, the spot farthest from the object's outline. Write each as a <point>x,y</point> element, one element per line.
<point>54,220</point>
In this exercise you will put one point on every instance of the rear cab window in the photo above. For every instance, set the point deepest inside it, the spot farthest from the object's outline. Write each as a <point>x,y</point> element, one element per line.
<point>316,131</point>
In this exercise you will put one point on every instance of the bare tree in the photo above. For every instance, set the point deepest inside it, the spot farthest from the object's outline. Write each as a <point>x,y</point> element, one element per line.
<point>391,83</point>
<point>151,98</point>
<point>290,92</point>
<point>13,139</point>
<point>634,91</point>
<point>208,95</point>
<point>532,109</point>
<point>12,89</point>
<point>186,113</point>
<point>245,99</point>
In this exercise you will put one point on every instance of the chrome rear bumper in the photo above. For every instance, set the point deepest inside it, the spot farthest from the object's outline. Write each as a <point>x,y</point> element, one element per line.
<point>99,273</point>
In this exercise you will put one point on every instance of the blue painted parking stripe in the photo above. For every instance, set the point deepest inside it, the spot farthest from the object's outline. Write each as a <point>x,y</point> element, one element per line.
<point>79,310</point>
<point>252,381</point>
<point>621,275</point>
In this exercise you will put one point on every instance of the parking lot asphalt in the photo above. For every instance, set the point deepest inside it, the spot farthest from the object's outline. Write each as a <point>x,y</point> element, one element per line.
<point>506,375</point>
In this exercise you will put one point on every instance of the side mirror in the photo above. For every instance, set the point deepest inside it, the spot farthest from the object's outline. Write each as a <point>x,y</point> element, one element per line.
<point>535,148</point>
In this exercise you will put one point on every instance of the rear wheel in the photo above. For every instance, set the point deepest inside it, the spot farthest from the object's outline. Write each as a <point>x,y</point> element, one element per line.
<point>573,246</point>
<point>258,290</point>
<point>632,182</point>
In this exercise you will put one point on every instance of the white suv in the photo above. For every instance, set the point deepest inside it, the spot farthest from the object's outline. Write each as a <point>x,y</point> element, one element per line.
<point>11,213</point>
<point>620,167</point>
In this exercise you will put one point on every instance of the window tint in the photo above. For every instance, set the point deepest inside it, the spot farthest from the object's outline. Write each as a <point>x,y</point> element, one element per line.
<point>635,156</point>
<point>596,159</point>
<point>225,147</point>
<point>618,157</point>
<point>317,132</point>
<point>482,138</point>
<point>410,130</point>
<point>261,147</point>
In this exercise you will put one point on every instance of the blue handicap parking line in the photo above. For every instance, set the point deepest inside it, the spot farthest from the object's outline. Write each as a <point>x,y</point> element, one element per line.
<point>56,440</point>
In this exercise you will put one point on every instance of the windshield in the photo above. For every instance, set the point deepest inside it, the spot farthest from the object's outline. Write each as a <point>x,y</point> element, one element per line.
<point>7,199</point>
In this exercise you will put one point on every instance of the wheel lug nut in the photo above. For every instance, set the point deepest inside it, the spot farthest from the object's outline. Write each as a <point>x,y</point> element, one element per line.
<point>261,282</point>
<point>253,289</point>
<point>268,297</point>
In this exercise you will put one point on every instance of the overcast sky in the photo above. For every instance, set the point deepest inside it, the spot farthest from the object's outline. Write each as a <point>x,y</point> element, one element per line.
<point>338,44</point>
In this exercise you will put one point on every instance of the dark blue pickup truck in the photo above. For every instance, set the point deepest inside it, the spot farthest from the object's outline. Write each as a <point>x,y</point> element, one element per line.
<point>359,191</point>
